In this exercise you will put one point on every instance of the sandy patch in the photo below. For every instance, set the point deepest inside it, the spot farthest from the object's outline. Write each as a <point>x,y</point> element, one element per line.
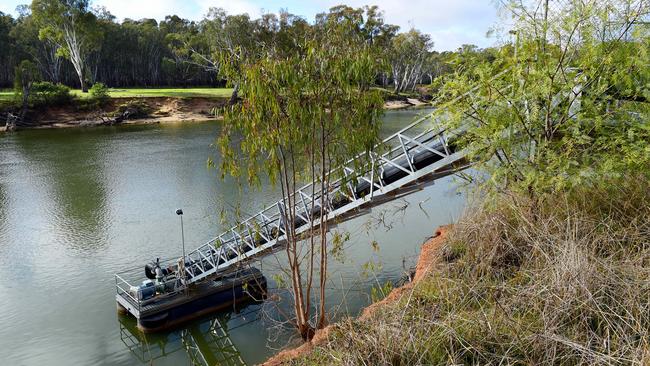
<point>401,104</point>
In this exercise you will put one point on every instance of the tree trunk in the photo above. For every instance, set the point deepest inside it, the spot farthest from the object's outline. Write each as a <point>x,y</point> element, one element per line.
<point>84,87</point>
<point>234,97</point>
<point>25,106</point>
<point>323,227</point>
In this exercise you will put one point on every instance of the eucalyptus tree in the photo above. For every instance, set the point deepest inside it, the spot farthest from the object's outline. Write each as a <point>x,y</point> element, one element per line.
<point>73,27</point>
<point>43,53</point>
<point>408,55</point>
<point>436,64</point>
<point>234,37</point>
<point>366,22</point>
<point>302,116</point>
<point>567,104</point>
<point>26,75</point>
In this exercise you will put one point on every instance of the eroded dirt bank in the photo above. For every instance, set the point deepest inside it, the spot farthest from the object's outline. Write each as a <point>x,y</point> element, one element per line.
<point>429,256</point>
<point>160,110</point>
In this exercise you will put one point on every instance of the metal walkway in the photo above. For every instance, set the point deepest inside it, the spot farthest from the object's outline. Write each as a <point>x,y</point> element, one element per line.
<point>417,155</point>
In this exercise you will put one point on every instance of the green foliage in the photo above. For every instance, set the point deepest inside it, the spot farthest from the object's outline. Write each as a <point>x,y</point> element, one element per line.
<point>177,51</point>
<point>49,94</point>
<point>134,109</point>
<point>561,110</point>
<point>380,291</point>
<point>25,75</point>
<point>337,243</point>
<point>99,92</point>
<point>291,103</point>
<point>371,268</point>
<point>73,27</point>
<point>302,115</point>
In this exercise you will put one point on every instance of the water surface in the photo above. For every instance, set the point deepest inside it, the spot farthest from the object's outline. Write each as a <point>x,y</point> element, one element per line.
<point>78,205</point>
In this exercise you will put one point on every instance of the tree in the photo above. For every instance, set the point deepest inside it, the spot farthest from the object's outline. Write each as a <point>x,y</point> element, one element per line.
<point>8,55</point>
<point>43,53</point>
<point>567,105</point>
<point>408,55</point>
<point>70,25</point>
<point>229,38</point>
<point>26,74</point>
<point>302,116</point>
<point>366,22</point>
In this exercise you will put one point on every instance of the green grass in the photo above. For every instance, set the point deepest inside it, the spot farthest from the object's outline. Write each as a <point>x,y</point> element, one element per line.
<point>162,92</point>
<point>8,94</point>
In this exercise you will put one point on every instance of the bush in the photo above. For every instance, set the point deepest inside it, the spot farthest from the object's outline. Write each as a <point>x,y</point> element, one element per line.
<point>48,94</point>
<point>99,92</point>
<point>134,109</point>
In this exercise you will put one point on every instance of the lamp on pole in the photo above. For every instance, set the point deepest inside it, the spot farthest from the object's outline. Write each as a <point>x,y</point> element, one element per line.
<point>179,212</point>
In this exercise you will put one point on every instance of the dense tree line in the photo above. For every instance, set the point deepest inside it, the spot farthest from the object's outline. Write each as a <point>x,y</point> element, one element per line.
<point>78,45</point>
<point>130,53</point>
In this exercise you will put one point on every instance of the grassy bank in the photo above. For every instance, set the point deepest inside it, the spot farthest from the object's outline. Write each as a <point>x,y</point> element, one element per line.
<point>7,95</point>
<point>561,281</point>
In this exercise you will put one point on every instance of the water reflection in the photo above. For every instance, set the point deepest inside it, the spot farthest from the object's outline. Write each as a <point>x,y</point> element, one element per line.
<point>74,183</point>
<point>204,343</point>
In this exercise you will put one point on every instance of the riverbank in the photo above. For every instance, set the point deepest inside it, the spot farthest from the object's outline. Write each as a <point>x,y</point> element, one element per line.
<point>559,278</point>
<point>159,110</point>
<point>405,103</point>
<point>430,254</point>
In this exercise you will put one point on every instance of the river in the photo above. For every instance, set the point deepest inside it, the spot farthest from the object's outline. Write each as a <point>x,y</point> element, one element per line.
<point>78,205</point>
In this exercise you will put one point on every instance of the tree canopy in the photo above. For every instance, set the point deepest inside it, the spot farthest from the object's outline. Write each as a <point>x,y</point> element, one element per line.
<point>302,115</point>
<point>74,43</point>
<point>72,28</point>
<point>566,105</point>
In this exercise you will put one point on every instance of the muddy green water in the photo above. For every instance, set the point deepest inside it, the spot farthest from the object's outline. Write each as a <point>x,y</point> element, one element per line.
<point>77,205</point>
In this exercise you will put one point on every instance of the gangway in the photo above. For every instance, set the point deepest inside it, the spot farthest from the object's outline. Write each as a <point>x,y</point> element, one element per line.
<point>406,161</point>
<point>417,155</point>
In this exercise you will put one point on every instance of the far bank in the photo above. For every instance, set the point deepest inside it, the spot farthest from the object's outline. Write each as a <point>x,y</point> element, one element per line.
<point>143,110</point>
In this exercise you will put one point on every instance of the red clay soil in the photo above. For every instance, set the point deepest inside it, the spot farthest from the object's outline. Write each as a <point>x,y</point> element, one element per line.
<point>429,255</point>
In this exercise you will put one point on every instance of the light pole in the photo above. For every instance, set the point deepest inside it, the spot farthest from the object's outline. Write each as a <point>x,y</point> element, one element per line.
<point>179,212</point>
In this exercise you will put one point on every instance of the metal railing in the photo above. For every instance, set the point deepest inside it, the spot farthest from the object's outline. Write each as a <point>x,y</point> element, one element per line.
<point>131,279</point>
<point>266,229</point>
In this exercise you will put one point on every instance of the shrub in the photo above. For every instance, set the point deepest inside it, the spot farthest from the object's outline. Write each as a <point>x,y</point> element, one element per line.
<point>133,109</point>
<point>48,94</point>
<point>99,92</point>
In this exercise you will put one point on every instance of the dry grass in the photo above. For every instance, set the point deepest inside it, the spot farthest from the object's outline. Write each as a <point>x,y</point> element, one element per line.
<point>566,283</point>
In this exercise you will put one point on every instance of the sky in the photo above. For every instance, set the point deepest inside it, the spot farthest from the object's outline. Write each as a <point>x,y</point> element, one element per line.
<point>450,23</point>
